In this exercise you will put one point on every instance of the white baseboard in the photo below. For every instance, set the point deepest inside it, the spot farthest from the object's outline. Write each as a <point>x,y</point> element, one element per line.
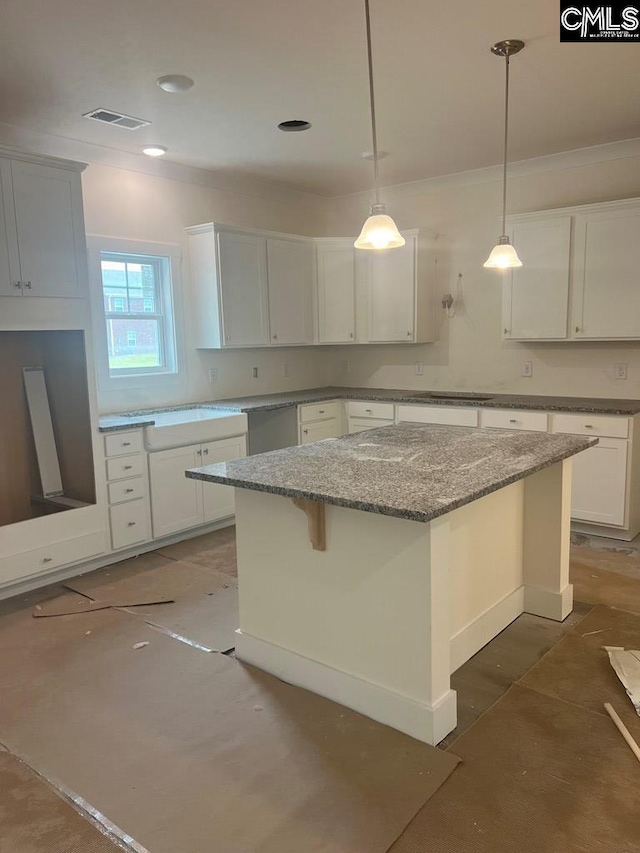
<point>427,723</point>
<point>470,639</point>
<point>548,603</point>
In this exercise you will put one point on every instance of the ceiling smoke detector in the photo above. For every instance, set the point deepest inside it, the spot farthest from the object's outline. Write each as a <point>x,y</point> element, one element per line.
<point>115,118</point>
<point>294,125</point>
<point>175,83</point>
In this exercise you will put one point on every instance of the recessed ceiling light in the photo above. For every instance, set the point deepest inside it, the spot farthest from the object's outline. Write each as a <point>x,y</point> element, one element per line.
<point>294,125</point>
<point>154,150</point>
<point>175,83</point>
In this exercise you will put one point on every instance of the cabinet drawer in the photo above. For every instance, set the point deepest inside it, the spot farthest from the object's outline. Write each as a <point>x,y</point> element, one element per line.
<point>124,466</point>
<point>360,424</point>
<point>119,443</point>
<point>513,419</point>
<point>128,524</point>
<point>450,415</point>
<point>126,490</point>
<point>607,425</point>
<point>39,560</point>
<point>365,409</point>
<point>319,411</point>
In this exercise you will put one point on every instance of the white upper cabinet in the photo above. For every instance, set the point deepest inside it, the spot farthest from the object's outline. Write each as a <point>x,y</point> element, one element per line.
<point>252,289</point>
<point>607,274</point>
<point>536,296</point>
<point>42,242</point>
<point>242,274</point>
<point>580,263</point>
<point>397,293</point>
<point>336,291</point>
<point>290,266</point>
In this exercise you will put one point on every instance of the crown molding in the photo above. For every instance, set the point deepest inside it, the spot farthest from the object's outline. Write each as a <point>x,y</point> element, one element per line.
<point>32,145</point>
<point>625,149</point>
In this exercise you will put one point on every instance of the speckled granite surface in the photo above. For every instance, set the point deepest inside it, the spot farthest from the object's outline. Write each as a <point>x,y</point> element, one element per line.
<point>267,402</point>
<point>417,472</point>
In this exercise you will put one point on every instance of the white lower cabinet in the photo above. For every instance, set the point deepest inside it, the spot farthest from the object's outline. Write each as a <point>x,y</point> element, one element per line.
<point>602,485</point>
<point>448,415</point>
<point>127,489</point>
<point>599,483</point>
<point>317,421</point>
<point>365,414</point>
<point>37,561</point>
<point>178,503</point>
<point>129,524</point>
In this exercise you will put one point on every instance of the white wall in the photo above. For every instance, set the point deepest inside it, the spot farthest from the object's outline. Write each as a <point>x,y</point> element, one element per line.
<point>469,354</point>
<point>137,206</point>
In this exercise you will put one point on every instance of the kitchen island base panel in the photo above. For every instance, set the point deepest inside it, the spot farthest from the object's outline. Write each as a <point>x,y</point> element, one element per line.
<point>427,723</point>
<point>378,621</point>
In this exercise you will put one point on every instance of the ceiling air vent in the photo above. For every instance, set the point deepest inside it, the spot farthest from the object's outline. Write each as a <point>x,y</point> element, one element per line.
<point>118,119</point>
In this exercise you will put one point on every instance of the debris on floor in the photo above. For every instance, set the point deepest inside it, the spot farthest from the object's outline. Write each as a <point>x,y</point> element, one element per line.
<point>627,667</point>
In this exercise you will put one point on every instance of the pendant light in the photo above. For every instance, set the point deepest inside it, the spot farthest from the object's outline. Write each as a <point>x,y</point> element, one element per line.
<point>379,231</point>
<point>503,256</point>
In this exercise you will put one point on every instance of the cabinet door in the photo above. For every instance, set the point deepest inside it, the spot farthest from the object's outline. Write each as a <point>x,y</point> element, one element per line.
<point>607,275</point>
<point>319,431</point>
<point>336,292</point>
<point>242,260</point>
<point>360,424</point>
<point>536,296</point>
<point>218,500</point>
<point>391,293</point>
<point>290,270</point>
<point>599,483</point>
<point>49,224</point>
<point>176,502</point>
<point>9,266</point>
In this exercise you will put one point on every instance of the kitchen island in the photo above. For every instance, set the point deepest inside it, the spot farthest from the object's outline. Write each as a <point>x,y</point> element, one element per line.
<point>372,566</point>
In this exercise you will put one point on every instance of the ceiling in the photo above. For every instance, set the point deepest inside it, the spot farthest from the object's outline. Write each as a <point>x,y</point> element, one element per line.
<point>439,90</point>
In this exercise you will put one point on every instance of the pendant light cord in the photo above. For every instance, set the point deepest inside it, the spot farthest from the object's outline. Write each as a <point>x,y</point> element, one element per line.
<point>506,141</point>
<point>373,105</point>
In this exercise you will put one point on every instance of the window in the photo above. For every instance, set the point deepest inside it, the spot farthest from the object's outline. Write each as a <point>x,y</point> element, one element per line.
<point>137,299</point>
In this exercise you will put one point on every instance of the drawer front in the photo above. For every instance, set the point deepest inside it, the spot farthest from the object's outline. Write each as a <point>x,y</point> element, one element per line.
<point>319,411</point>
<point>360,424</point>
<point>119,443</point>
<point>364,409</point>
<point>129,524</point>
<point>450,415</point>
<point>126,490</point>
<point>513,419</point>
<point>54,556</point>
<point>124,466</point>
<point>605,425</point>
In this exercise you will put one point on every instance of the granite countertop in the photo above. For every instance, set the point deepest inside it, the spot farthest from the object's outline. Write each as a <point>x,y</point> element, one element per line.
<point>268,402</point>
<point>417,472</point>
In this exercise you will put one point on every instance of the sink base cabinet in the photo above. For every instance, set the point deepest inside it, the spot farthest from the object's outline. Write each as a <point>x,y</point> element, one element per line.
<point>178,503</point>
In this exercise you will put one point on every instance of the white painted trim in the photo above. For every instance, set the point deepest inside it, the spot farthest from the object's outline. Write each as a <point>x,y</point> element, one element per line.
<point>41,159</point>
<point>470,639</point>
<point>625,149</point>
<point>548,603</point>
<point>427,723</point>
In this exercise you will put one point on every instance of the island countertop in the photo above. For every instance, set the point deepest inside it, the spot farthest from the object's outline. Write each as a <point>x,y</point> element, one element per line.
<point>412,471</point>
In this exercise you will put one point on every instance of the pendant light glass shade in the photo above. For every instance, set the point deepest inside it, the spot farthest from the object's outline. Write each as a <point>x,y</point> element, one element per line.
<point>503,256</point>
<point>379,231</point>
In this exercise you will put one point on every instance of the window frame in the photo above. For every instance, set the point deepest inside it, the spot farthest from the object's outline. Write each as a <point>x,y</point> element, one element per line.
<point>168,258</point>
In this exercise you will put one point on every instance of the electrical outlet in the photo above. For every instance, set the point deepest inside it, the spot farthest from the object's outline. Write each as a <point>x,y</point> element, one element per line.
<point>527,369</point>
<point>286,369</point>
<point>213,374</point>
<point>419,368</point>
<point>255,372</point>
<point>344,367</point>
<point>620,371</point>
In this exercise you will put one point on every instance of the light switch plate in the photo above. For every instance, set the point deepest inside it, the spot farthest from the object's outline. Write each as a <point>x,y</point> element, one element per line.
<point>620,371</point>
<point>527,369</point>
